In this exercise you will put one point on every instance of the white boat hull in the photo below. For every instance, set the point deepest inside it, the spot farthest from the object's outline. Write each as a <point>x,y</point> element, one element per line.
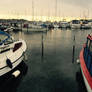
<point>75,26</point>
<point>86,26</point>
<point>15,58</point>
<point>6,69</point>
<point>64,25</point>
<point>35,29</point>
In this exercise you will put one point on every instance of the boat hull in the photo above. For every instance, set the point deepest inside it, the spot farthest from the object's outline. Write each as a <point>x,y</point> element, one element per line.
<point>86,76</point>
<point>7,69</point>
<point>86,82</point>
<point>12,57</point>
<point>35,29</point>
<point>75,26</point>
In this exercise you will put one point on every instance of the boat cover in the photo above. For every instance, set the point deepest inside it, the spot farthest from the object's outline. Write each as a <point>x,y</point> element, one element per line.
<point>7,36</point>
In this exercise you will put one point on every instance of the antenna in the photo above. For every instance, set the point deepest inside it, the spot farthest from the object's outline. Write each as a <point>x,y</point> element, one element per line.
<point>80,14</point>
<point>88,13</point>
<point>48,11</point>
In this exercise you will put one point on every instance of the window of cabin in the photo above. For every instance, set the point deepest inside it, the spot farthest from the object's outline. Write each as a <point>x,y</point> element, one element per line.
<point>89,56</point>
<point>86,51</point>
<point>90,46</point>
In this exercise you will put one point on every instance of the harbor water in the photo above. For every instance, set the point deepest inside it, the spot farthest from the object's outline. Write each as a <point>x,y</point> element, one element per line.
<point>50,69</point>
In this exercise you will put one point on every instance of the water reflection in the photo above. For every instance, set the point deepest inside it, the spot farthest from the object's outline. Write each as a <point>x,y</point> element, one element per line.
<point>56,73</point>
<point>9,83</point>
<point>80,81</point>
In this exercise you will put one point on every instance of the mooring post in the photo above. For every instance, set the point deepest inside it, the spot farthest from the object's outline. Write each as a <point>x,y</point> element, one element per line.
<point>73,53</point>
<point>27,27</point>
<point>21,26</point>
<point>42,56</point>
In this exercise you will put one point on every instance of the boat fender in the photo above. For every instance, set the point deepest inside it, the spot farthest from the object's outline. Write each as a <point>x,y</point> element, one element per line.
<point>8,61</point>
<point>78,61</point>
<point>16,73</point>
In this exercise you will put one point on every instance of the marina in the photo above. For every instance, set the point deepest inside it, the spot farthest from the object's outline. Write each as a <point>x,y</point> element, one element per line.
<point>45,46</point>
<point>54,70</point>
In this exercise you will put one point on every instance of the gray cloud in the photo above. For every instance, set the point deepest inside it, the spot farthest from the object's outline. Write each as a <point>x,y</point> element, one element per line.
<point>81,3</point>
<point>70,7</point>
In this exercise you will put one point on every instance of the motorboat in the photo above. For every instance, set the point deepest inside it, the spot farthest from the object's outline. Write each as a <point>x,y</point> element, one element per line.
<point>11,53</point>
<point>85,24</point>
<point>10,29</point>
<point>86,63</point>
<point>56,26</point>
<point>75,24</point>
<point>64,24</point>
<point>3,27</point>
<point>35,28</point>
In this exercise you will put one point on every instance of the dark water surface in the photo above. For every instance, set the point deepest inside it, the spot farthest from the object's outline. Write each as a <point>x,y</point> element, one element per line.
<point>55,72</point>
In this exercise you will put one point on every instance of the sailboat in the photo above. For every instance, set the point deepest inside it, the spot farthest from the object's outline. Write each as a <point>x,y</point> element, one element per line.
<point>36,26</point>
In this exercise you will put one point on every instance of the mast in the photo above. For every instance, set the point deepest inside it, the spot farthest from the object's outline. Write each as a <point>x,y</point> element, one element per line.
<point>56,9</point>
<point>48,11</point>
<point>32,10</point>
<point>88,13</point>
<point>63,17</point>
<point>59,10</point>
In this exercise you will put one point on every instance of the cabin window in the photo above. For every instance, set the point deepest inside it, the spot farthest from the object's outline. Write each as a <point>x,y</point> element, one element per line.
<point>91,47</point>
<point>88,56</point>
<point>91,69</point>
<point>75,22</point>
<point>88,43</point>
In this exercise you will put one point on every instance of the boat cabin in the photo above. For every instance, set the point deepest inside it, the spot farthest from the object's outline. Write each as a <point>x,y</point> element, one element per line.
<point>85,22</point>
<point>88,54</point>
<point>75,22</point>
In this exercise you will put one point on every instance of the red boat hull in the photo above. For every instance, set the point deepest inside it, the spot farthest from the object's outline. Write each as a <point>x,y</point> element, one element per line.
<point>85,70</point>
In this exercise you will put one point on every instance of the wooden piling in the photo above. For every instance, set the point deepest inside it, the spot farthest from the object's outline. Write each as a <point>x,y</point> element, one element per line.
<point>21,26</point>
<point>73,53</point>
<point>42,55</point>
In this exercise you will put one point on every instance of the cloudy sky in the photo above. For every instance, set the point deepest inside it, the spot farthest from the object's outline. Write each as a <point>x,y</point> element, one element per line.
<point>70,8</point>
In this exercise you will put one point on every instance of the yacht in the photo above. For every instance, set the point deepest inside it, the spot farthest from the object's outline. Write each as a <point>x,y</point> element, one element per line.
<point>75,24</point>
<point>11,53</point>
<point>64,24</point>
<point>85,24</point>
